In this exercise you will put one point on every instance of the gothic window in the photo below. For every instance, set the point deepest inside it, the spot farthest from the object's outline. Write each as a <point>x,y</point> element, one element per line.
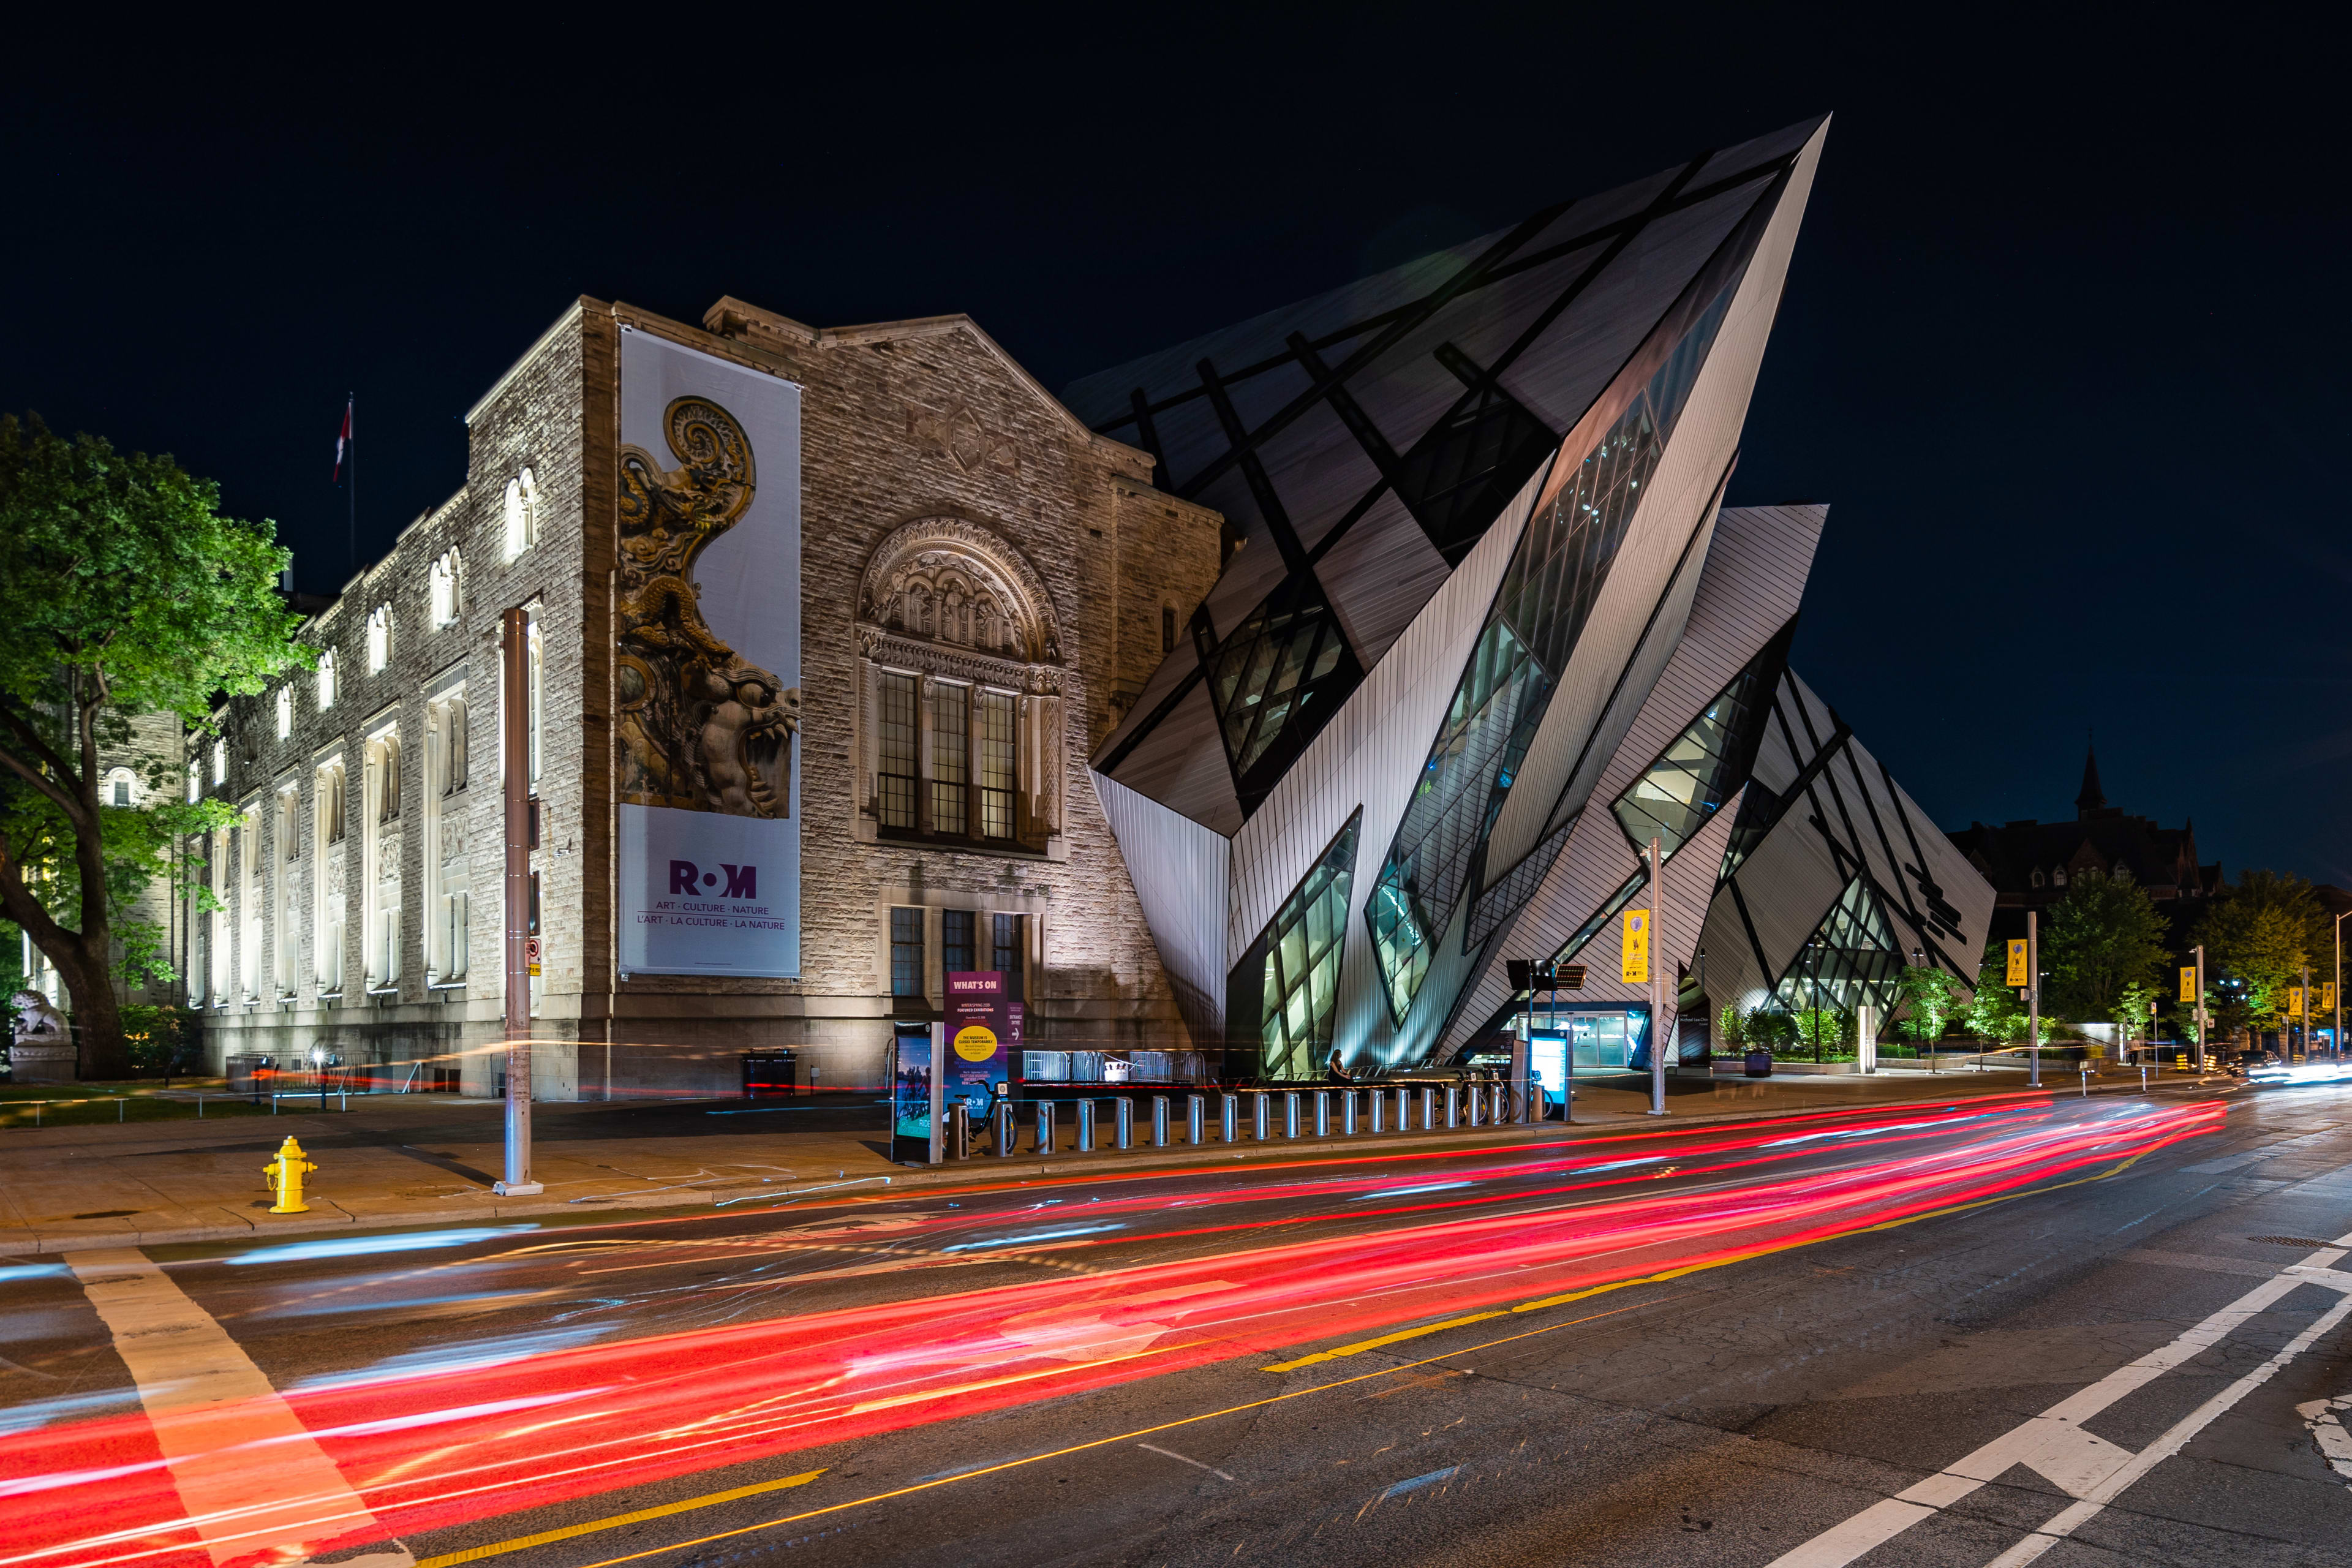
<point>118,787</point>
<point>220,761</point>
<point>442,590</point>
<point>2037,876</point>
<point>379,638</point>
<point>522,513</point>
<point>387,789</point>
<point>1006,950</point>
<point>998,780</point>
<point>330,803</point>
<point>284,703</point>
<point>449,726</point>
<point>907,952</point>
<point>963,740</point>
<point>326,680</point>
<point>2058,875</point>
<point>898,771</point>
<point>950,757</point>
<point>955,942</point>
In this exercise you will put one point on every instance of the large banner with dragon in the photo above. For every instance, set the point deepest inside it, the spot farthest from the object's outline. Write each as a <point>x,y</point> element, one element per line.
<point>707,674</point>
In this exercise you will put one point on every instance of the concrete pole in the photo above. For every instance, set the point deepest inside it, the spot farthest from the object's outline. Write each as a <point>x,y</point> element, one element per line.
<point>2200,1007</point>
<point>2336,1044</point>
<point>1661,1025</point>
<point>514,741</point>
<point>2033,998</point>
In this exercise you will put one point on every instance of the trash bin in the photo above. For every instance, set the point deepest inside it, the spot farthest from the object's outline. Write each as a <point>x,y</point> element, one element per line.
<point>768,1072</point>
<point>1758,1064</point>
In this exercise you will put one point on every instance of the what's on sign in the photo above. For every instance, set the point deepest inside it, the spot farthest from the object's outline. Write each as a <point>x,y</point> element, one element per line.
<point>1636,948</point>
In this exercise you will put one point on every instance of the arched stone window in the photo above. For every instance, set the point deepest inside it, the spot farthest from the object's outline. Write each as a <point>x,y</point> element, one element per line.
<point>379,638</point>
<point>961,713</point>
<point>522,513</point>
<point>442,590</point>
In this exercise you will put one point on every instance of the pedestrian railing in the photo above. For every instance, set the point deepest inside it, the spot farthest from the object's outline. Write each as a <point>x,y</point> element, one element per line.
<point>1239,1116</point>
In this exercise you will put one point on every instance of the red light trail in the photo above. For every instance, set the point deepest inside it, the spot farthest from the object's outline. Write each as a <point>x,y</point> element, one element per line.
<point>433,1450</point>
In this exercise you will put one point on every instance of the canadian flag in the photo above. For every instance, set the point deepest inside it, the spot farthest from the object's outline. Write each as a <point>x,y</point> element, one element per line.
<point>343,441</point>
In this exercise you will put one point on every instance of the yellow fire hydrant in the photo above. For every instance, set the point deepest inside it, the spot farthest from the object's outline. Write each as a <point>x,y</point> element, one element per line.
<point>285,1173</point>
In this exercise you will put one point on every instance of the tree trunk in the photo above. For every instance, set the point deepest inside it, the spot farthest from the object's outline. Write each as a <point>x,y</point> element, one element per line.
<point>99,1049</point>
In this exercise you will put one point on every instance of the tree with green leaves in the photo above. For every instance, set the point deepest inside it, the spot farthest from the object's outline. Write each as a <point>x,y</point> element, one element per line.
<point>124,592</point>
<point>1930,999</point>
<point>2106,936</point>
<point>2262,933</point>
<point>1994,1015</point>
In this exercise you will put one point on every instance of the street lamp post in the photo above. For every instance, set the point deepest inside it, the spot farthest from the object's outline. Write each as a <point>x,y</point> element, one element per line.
<point>1814,947</point>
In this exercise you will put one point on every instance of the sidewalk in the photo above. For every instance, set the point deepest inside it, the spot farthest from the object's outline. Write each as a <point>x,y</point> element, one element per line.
<point>416,1160</point>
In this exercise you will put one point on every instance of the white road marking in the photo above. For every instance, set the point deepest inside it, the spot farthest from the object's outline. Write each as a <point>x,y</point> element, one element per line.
<point>2326,1419</point>
<point>206,1399</point>
<point>1183,1459</point>
<point>2082,1464</point>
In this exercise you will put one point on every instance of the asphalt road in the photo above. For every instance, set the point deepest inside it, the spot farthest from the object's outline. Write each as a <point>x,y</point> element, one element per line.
<point>1913,1337</point>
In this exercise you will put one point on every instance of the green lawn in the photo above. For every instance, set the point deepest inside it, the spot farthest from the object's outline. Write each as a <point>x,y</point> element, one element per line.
<point>80,1104</point>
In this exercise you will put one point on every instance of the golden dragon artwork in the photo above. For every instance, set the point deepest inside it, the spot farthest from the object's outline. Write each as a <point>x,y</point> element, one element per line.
<point>700,728</point>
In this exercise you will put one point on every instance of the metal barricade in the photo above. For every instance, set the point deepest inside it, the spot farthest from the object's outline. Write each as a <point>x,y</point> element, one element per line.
<point>1044,1127</point>
<point>1261,1104</point>
<point>1453,1106</point>
<point>1290,1113</point>
<point>1004,1132</point>
<point>1122,1113</point>
<point>1322,1113</point>
<point>1195,1108</point>
<point>1477,1104</point>
<point>1230,1116</point>
<point>1377,1104</point>
<point>1086,1127</point>
<point>1159,1122</point>
<point>1347,1112</point>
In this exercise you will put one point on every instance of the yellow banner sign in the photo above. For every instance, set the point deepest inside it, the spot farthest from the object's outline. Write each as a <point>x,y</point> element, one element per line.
<point>2189,983</point>
<point>2327,995</point>
<point>2017,964</point>
<point>1637,948</point>
<point>2294,1001</point>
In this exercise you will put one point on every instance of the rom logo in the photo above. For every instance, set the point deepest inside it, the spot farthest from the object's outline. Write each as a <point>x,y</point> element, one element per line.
<point>742,881</point>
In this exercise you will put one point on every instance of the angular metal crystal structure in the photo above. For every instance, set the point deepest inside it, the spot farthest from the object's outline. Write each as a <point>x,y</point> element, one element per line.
<point>1283,990</point>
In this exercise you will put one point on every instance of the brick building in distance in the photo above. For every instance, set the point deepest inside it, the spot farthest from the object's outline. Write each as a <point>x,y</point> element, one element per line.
<point>983,585</point>
<point>2031,864</point>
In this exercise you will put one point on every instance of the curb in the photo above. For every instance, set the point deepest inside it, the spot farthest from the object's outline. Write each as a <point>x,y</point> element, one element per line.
<point>1309,1150</point>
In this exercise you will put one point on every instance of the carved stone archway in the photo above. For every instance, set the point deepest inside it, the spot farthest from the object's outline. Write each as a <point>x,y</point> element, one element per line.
<point>954,582</point>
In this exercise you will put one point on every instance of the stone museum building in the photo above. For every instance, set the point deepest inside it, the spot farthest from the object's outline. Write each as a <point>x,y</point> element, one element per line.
<point>985,585</point>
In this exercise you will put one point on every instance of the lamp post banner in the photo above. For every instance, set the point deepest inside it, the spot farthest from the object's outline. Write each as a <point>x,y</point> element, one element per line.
<point>706,664</point>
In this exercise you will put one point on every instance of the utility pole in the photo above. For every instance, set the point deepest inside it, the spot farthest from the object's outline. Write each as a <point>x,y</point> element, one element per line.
<point>1663,1027</point>
<point>514,740</point>
<point>2335,1044</point>
<point>2033,999</point>
<point>2305,1011</point>
<point>2200,1007</point>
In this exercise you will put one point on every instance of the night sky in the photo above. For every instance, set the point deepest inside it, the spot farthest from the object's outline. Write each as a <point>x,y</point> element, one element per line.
<point>2063,343</point>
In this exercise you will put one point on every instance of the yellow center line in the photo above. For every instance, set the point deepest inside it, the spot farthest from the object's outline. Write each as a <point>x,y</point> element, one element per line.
<point>524,1542</point>
<point>476,1553</point>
